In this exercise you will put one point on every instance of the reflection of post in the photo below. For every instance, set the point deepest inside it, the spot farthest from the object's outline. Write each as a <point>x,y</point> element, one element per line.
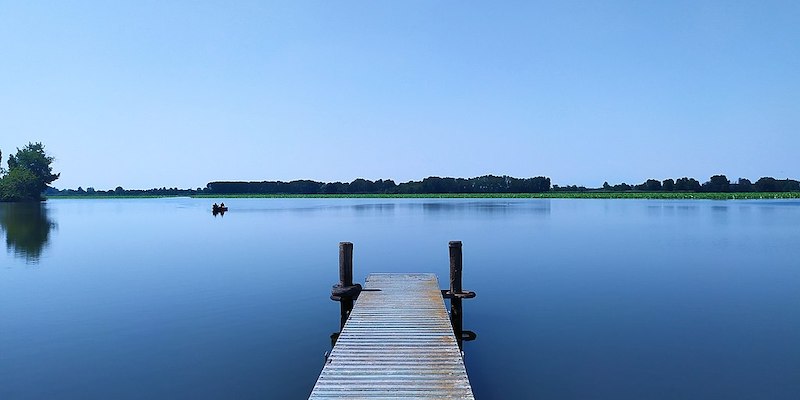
<point>345,291</point>
<point>456,294</point>
<point>346,305</point>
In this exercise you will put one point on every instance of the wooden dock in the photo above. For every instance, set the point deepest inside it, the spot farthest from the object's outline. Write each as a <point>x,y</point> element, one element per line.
<point>397,342</point>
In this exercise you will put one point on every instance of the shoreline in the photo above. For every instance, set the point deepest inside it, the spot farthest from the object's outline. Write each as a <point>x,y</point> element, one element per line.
<point>548,195</point>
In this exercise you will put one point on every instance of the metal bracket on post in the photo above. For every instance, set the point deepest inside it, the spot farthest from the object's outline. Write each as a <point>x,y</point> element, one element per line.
<point>447,294</point>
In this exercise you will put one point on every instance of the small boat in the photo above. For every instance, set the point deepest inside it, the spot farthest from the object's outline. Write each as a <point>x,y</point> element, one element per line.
<point>215,208</point>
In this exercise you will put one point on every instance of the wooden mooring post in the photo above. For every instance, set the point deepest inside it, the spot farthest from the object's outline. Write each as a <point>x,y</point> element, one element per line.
<point>456,294</point>
<point>345,292</point>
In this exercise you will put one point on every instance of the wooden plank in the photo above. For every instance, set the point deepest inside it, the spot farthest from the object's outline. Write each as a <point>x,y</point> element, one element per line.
<point>397,343</point>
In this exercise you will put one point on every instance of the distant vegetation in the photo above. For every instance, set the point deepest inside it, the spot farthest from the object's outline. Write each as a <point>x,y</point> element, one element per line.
<point>120,192</point>
<point>491,184</point>
<point>29,174</point>
<point>717,187</point>
<point>594,194</point>
<point>481,184</point>
<point>716,184</point>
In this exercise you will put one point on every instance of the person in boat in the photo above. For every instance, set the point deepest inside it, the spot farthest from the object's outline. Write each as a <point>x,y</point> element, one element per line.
<point>215,206</point>
<point>221,205</point>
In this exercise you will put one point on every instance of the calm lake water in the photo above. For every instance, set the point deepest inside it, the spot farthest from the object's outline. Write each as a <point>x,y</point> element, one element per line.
<point>577,299</point>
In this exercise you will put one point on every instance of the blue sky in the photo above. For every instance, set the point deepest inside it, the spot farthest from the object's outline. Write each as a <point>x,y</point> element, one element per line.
<point>152,93</point>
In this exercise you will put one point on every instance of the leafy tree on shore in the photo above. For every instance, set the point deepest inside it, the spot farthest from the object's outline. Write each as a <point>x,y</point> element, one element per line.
<point>29,173</point>
<point>687,185</point>
<point>744,185</point>
<point>652,185</point>
<point>717,183</point>
<point>769,184</point>
<point>19,184</point>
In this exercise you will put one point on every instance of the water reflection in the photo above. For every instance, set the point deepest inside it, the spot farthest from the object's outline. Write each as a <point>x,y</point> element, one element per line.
<point>399,207</point>
<point>379,208</point>
<point>516,207</point>
<point>457,320</point>
<point>27,229</point>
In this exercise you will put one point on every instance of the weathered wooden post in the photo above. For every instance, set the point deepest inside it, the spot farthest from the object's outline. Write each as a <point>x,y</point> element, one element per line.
<point>456,266</point>
<point>345,291</point>
<point>345,264</point>
<point>457,293</point>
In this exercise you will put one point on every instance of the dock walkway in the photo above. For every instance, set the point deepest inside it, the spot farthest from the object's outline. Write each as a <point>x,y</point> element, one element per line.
<point>397,343</point>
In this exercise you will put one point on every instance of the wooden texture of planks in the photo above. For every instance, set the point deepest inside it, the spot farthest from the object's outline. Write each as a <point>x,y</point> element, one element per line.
<point>397,343</point>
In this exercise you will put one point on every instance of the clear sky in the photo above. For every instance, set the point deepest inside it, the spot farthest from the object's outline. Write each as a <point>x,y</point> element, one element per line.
<point>167,93</point>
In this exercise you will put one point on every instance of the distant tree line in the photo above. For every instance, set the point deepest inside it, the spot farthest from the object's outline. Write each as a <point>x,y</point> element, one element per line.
<point>438,185</point>
<point>119,191</point>
<point>716,184</point>
<point>433,184</point>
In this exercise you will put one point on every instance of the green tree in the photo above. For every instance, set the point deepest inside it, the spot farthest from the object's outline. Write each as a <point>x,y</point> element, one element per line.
<point>19,184</point>
<point>687,184</point>
<point>766,184</point>
<point>717,183</point>
<point>744,185</point>
<point>29,173</point>
<point>652,185</point>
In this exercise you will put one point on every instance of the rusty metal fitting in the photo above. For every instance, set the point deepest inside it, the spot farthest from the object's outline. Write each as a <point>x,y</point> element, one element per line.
<point>338,292</point>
